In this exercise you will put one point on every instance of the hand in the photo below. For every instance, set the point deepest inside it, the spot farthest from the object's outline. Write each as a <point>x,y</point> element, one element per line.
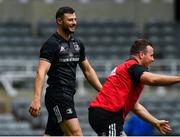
<point>35,108</point>
<point>163,126</point>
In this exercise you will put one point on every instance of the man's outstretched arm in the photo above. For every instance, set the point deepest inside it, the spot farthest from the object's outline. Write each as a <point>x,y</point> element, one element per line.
<point>158,79</point>
<point>161,125</point>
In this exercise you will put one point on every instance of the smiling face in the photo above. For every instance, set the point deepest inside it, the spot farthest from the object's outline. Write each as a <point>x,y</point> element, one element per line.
<point>147,57</point>
<point>67,23</point>
<point>143,51</point>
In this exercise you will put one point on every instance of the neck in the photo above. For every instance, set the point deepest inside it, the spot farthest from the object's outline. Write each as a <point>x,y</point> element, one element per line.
<point>136,58</point>
<point>63,34</point>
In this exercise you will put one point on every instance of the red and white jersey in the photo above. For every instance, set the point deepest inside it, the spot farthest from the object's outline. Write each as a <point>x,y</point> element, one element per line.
<point>120,90</point>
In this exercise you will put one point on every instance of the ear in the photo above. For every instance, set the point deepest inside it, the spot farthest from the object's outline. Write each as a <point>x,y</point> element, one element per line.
<point>141,55</point>
<point>59,21</point>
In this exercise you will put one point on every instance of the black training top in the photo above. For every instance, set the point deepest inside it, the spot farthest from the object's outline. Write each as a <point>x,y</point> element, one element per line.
<point>64,57</point>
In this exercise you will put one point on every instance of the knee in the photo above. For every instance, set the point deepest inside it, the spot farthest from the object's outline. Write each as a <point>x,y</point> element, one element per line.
<point>76,132</point>
<point>71,127</point>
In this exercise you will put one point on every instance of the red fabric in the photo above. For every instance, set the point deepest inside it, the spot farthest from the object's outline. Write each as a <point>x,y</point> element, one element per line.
<point>119,92</point>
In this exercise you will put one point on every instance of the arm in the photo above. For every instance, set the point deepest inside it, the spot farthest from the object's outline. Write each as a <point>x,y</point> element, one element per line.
<point>157,79</point>
<point>41,72</point>
<point>90,74</point>
<point>161,125</point>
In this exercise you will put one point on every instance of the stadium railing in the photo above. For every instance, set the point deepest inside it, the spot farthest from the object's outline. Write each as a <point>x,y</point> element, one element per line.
<point>17,70</point>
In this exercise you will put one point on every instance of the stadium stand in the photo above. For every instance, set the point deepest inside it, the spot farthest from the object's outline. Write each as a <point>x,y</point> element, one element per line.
<point>16,28</point>
<point>163,34</point>
<point>168,109</point>
<point>10,126</point>
<point>99,35</point>
<point>107,43</point>
<point>104,42</point>
<point>18,36</point>
<point>19,111</point>
<point>165,110</point>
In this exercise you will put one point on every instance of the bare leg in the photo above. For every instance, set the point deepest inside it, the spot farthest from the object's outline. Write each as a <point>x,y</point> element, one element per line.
<point>123,134</point>
<point>71,127</point>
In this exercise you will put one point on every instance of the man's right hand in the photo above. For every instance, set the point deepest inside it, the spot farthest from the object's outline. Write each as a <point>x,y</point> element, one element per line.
<point>35,108</point>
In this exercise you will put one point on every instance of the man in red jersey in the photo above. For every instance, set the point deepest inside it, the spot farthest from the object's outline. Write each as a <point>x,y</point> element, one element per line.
<point>121,91</point>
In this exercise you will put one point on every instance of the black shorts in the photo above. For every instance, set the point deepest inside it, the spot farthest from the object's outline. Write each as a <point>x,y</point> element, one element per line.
<point>60,107</point>
<point>106,123</point>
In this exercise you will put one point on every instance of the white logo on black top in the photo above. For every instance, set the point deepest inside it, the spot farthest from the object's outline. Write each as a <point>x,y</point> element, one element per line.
<point>69,59</point>
<point>69,111</point>
<point>71,54</point>
<point>76,46</point>
<point>62,49</point>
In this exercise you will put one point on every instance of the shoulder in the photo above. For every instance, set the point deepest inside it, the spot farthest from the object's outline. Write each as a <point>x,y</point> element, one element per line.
<point>135,66</point>
<point>129,63</point>
<point>51,42</point>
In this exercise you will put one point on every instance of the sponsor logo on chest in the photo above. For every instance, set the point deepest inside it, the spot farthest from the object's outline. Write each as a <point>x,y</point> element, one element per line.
<point>68,51</point>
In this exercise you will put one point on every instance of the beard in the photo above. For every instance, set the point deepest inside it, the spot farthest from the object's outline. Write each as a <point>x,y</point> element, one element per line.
<point>67,30</point>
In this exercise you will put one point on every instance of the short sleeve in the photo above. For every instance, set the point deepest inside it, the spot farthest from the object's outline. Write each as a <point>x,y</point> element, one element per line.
<point>82,52</point>
<point>135,72</point>
<point>48,51</point>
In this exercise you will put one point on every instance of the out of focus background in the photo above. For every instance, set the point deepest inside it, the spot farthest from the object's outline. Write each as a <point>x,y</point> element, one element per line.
<point>108,29</point>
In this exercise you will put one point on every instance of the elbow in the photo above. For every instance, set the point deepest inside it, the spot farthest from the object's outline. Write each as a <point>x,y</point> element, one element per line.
<point>151,82</point>
<point>88,72</point>
<point>149,79</point>
<point>40,74</point>
<point>135,111</point>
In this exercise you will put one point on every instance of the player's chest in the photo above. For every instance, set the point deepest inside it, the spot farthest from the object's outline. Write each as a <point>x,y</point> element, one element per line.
<point>69,49</point>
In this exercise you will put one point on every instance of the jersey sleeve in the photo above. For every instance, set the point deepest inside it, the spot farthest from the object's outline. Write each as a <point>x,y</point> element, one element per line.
<point>135,72</point>
<point>48,51</point>
<point>82,52</point>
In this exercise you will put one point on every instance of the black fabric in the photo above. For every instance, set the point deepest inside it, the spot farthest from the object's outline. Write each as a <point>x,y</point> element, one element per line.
<point>63,101</point>
<point>60,107</point>
<point>59,98</point>
<point>135,71</point>
<point>64,57</point>
<point>100,120</point>
<point>53,129</point>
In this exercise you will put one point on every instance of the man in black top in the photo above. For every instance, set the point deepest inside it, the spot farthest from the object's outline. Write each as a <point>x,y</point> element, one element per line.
<point>59,57</point>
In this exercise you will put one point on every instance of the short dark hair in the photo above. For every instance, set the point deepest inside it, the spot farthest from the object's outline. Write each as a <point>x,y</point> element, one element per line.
<point>140,45</point>
<point>60,12</point>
